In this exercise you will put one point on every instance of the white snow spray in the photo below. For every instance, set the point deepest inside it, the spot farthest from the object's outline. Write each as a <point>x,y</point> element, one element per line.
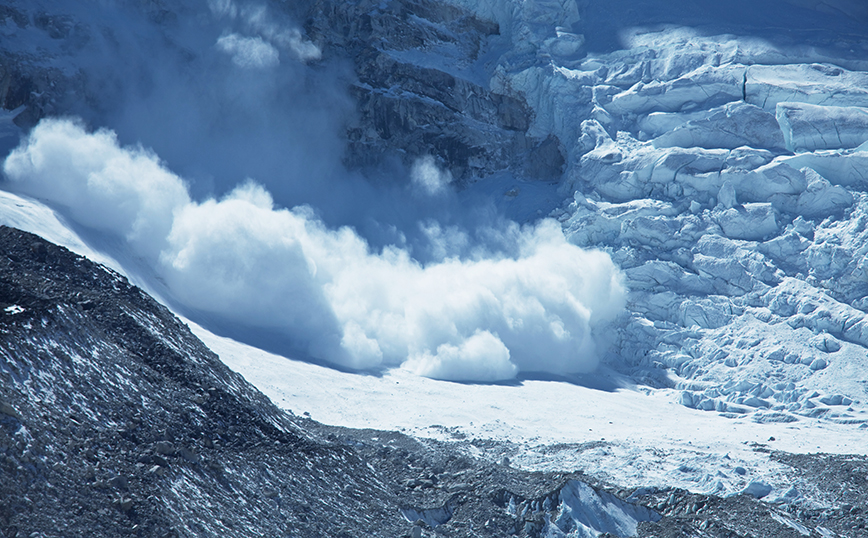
<point>481,318</point>
<point>291,251</point>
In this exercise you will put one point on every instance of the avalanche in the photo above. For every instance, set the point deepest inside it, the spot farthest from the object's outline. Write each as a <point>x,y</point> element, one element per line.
<point>701,166</point>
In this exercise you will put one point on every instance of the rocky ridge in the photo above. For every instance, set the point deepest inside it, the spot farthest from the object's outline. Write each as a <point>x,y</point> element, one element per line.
<point>116,418</point>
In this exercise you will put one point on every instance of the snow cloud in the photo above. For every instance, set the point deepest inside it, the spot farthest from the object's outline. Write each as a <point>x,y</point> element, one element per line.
<point>249,52</point>
<point>257,20</point>
<point>427,178</point>
<point>482,317</point>
<point>229,89</point>
<point>122,190</point>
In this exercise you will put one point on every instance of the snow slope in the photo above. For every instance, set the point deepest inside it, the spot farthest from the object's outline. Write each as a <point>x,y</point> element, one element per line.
<point>606,426</point>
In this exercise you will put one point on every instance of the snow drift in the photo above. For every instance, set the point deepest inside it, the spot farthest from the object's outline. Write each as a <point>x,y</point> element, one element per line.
<point>482,317</point>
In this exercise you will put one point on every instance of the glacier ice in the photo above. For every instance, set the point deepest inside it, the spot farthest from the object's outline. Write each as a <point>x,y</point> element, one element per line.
<point>723,174</point>
<point>807,127</point>
<point>819,84</point>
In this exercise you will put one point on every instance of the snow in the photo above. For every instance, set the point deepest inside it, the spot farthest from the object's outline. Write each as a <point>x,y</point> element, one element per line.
<point>30,215</point>
<point>630,435</point>
<point>587,513</point>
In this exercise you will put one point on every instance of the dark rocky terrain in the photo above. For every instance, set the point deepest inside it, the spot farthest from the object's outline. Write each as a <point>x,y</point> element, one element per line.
<point>116,421</point>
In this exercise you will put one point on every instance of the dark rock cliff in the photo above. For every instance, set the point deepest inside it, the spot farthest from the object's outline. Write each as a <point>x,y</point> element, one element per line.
<point>411,104</point>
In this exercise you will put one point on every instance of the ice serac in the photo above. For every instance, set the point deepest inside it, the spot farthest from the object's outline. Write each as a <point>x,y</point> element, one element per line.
<point>731,126</point>
<point>680,162</point>
<point>807,127</point>
<point>815,83</point>
<point>706,86</point>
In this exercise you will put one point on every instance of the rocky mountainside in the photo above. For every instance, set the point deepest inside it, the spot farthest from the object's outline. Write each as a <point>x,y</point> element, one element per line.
<point>116,421</point>
<point>419,92</point>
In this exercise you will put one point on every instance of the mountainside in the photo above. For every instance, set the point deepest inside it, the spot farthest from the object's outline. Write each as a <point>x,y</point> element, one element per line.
<point>634,232</point>
<point>116,421</point>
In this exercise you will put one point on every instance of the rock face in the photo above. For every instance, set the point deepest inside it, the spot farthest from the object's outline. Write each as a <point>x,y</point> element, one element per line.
<point>419,92</point>
<point>415,79</point>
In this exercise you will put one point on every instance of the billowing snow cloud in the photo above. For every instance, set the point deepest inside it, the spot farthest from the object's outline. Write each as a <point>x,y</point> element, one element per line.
<point>427,178</point>
<point>249,52</point>
<point>481,318</point>
<point>122,190</point>
<point>257,20</point>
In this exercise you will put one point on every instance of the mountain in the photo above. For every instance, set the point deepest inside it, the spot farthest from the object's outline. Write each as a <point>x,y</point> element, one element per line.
<point>621,237</point>
<point>116,421</point>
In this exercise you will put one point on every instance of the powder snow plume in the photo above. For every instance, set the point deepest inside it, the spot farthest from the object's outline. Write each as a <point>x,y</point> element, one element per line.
<point>484,317</point>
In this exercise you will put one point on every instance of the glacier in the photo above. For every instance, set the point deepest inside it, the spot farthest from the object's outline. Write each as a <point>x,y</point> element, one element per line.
<point>723,175</point>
